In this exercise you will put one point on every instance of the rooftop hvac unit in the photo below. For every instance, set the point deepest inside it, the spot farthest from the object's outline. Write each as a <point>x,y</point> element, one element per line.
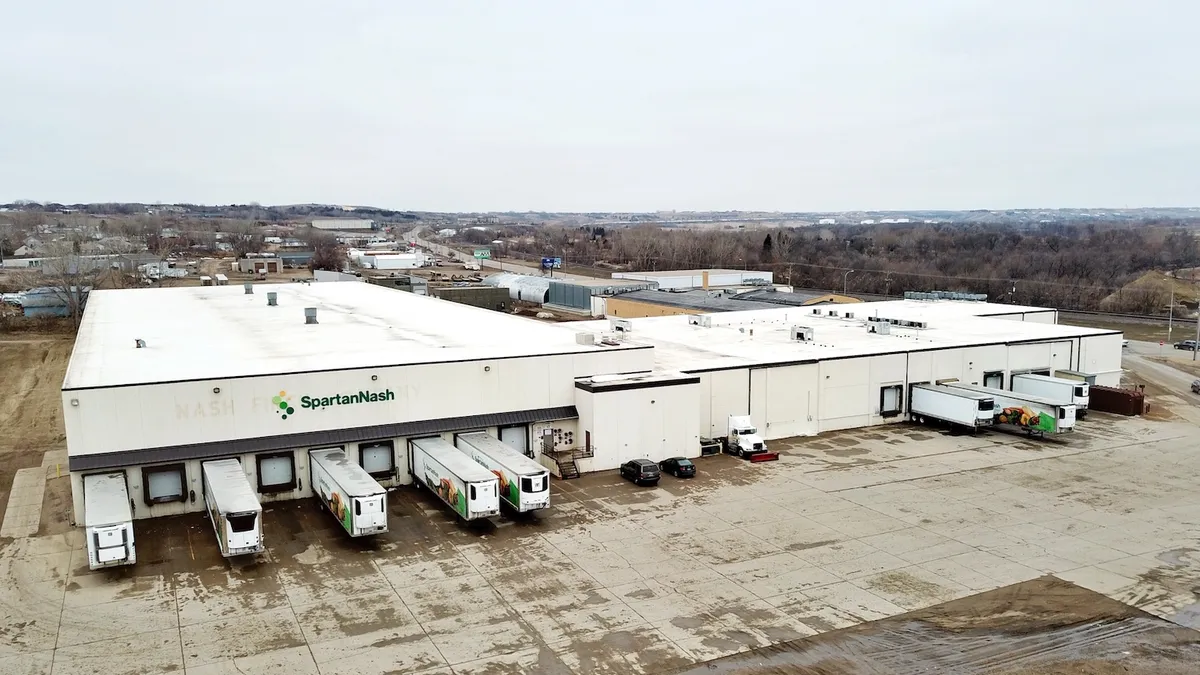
<point>702,320</point>
<point>816,311</point>
<point>802,333</point>
<point>620,325</point>
<point>879,328</point>
<point>585,338</point>
<point>833,313</point>
<point>849,315</point>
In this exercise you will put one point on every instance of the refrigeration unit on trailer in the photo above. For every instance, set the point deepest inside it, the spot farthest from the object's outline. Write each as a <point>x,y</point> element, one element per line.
<point>348,491</point>
<point>954,406</point>
<point>1055,389</point>
<point>232,507</point>
<point>524,484</point>
<point>471,490</point>
<point>1030,413</point>
<point>108,521</point>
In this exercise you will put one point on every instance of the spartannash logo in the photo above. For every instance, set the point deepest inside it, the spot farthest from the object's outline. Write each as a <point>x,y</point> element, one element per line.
<point>283,403</point>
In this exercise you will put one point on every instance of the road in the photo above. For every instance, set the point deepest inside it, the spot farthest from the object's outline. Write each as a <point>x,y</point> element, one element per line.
<point>1136,358</point>
<point>498,265</point>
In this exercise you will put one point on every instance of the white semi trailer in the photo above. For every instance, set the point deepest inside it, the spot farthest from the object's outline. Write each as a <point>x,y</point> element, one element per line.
<point>1055,389</point>
<point>471,490</point>
<point>1030,413</point>
<point>232,507</point>
<point>108,521</point>
<point>524,484</point>
<point>954,406</point>
<point>348,491</point>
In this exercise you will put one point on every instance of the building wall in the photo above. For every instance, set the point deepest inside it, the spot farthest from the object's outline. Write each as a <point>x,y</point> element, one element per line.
<point>651,422</point>
<point>128,418</point>
<point>1101,355</point>
<point>487,297</point>
<point>271,265</point>
<point>632,309</point>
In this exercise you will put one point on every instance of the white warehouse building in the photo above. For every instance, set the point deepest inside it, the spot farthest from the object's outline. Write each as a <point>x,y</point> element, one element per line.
<point>162,380</point>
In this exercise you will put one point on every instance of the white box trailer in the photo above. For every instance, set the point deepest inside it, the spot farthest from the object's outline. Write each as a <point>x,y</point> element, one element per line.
<point>1078,375</point>
<point>1055,389</point>
<point>524,484</point>
<point>348,491</point>
<point>947,404</point>
<point>471,490</point>
<point>108,521</point>
<point>1034,414</point>
<point>232,507</point>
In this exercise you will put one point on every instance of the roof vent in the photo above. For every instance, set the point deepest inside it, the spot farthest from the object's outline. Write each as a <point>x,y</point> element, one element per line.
<point>271,298</point>
<point>620,325</point>
<point>310,315</point>
<point>585,338</point>
<point>802,333</point>
<point>249,288</point>
<point>139,343</point>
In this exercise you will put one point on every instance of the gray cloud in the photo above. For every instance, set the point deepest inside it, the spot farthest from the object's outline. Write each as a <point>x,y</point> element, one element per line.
<point>559,105</point>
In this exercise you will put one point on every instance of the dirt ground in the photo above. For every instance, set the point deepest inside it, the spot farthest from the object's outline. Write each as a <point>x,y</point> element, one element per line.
<point>1045,626</point>
<point>31,423</point>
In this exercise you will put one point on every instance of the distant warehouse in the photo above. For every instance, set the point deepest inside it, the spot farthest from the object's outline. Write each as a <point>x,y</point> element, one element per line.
<point>343,224</point>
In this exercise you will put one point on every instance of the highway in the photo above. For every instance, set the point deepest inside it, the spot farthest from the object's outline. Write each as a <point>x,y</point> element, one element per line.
<point>497,265</point>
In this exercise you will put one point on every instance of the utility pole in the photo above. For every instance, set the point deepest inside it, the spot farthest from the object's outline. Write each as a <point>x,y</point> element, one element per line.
<point>1171,310</point>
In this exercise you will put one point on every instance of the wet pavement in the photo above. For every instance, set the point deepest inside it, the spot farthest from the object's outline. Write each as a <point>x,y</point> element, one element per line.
<point>846,528</point>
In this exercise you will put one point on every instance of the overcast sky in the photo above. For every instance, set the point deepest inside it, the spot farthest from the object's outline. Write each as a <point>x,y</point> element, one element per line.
<point>603,105</point>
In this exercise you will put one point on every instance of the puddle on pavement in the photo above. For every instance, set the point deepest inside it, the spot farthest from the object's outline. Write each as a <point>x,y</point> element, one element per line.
<point>1040,627</point>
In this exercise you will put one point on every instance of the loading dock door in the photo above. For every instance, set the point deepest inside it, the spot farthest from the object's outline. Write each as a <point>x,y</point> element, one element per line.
<point>995,380</point>
<point>517,437</point>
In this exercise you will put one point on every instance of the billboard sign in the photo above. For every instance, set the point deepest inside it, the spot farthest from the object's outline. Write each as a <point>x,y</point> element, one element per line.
<point>551,263</point>
<point>483,254</point>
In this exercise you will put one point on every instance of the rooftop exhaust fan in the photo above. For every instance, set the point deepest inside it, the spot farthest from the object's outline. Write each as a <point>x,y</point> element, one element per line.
<point>249,288</point>
<point>271,298</point>
<point>310,315</point>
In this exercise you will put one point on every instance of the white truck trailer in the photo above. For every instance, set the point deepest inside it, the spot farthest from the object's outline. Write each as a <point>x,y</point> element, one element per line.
<point>524,484</point>
<point>108,521</point>
<point>471,490</point>
<point>743,440</point>
<point>955,406</point>
<point>232,507</point>
<point>1055,389</point>
<point>1033,414</point>
<point>348,491</point>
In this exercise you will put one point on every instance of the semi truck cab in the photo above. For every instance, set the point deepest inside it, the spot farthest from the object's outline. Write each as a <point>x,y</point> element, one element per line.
<point>743,437</point>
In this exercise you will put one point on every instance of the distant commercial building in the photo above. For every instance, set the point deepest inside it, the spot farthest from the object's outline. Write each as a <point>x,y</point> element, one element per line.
<point>487,297</point>
<point>343,224</point>
<point>671,279</point>
<point>268,265</point>
<point>399,282</point>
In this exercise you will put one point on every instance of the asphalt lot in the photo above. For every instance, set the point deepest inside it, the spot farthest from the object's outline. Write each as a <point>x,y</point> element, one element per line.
<point>845,528</point>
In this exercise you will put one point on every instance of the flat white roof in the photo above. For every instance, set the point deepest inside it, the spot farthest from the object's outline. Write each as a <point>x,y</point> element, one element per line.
<point>214,332</point>
<point>759,337</point>
<point>687,273</point>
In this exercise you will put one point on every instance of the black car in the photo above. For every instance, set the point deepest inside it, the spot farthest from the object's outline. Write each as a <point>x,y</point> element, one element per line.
<point>641,471</point>
<point>1189,345</point>
<point>680,467</point>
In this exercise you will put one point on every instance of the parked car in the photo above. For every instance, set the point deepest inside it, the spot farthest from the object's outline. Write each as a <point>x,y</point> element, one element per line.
<point>1196,386</point>
<point>680,467</point>
<point>1124,344</point>
<point>641,471</point>
<point>1189,345</point>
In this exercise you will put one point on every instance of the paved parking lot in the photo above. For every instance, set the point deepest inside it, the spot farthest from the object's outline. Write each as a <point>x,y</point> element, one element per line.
<point>845,528</point>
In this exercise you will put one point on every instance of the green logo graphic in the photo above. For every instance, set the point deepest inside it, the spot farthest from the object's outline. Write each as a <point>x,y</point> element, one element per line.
<point>282,407</point>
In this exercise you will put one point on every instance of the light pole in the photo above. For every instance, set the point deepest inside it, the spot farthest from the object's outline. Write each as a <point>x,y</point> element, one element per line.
<point>846,281</point>
<point>1170,309</point>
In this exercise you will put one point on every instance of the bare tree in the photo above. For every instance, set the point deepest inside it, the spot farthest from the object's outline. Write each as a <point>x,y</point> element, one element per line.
<point>327,253</point>
<point>69,276</point>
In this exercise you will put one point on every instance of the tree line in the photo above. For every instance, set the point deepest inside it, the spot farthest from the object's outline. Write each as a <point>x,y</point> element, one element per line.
<point>1070,266</point>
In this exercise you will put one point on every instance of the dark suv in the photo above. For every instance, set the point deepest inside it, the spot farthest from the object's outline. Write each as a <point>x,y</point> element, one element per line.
<point>641,471</point>
<point>1189,345</point>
